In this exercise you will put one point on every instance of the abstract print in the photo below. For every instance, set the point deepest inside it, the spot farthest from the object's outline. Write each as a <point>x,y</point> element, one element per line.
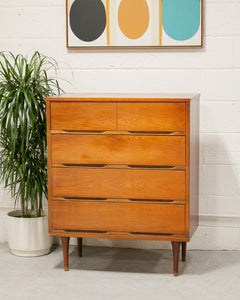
<point>134,23</point>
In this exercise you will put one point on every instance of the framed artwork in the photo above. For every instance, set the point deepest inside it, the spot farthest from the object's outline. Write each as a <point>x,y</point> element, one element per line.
<point>134,23</point>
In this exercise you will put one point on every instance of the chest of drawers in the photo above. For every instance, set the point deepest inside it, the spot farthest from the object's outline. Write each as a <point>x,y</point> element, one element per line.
<point>123,167</point>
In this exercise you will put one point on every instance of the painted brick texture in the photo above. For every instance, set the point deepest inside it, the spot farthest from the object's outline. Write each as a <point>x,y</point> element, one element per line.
<point>213,71</point>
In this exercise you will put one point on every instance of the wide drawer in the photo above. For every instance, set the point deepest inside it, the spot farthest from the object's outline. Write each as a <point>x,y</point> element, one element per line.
<point>118,149</point>
<point>160,117</point>
<point>124,217</point>
<point>83,116</point>
<point>118,183</point>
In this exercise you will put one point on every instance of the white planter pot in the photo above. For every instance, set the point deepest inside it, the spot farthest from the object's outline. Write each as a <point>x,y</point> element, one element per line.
<point>28,236</point>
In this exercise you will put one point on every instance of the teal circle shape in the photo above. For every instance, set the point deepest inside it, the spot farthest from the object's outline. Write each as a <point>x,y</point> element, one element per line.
<point>181,18</point>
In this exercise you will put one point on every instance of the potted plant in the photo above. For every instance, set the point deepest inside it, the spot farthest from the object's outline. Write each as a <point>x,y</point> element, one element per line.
<point>24,84</point>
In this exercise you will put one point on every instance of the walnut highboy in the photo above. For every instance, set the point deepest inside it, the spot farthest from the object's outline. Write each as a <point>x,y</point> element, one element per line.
<point>123,167</point>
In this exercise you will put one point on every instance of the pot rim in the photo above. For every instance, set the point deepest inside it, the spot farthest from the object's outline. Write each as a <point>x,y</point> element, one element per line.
<point>17,213</point>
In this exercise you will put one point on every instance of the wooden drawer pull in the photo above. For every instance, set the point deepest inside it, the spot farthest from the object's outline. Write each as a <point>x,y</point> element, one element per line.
<point>115,200</point>
<point>132,233</point>
<point>150,167</point>
<point>85,165</point>
<point>152,200</point>
<point>83,131</point>
<point>105,166</point>
<point>89,231</point>
<point>115,132</point>
<point>83,198</point>
<point>139,132</point>
<point>147,233</point>
<point>152,132</point>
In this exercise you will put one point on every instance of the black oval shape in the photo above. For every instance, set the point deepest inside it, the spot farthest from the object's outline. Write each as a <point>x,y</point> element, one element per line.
<point>87,19</point>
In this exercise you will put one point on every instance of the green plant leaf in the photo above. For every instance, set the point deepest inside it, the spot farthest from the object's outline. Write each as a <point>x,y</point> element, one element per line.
<point>24,85</point>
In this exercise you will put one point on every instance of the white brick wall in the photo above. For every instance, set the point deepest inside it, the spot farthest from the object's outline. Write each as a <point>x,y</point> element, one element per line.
<point>213,71</point>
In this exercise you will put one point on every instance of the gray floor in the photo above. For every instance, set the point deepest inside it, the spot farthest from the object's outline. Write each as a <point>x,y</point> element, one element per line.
<point>112,273</point>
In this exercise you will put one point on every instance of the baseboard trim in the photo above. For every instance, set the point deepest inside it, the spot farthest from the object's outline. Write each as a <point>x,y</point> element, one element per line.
<point>220,221</point>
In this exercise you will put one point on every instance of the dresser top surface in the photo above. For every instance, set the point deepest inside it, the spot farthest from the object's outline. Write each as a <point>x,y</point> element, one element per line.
<point>125,97</point>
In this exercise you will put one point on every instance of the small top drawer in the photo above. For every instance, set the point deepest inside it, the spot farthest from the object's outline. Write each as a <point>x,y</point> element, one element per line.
<point>162,117</point>
<point>83,116</point>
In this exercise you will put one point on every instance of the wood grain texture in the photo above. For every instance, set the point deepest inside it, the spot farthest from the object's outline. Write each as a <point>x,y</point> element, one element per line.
<point>187,173</point>
<point>49,164</point>
<point>118,149</point>
<point>122,97</point>
<point>108,146</point>
<point>168,117</point>
<point>83,116</point>
<point>193,180</point>
<point>119,235</point>
<point>65,246</point>
<point>123,217</point>
<point>184,251</point>
<point>176,249</point>
<point>79,242</point>
<point>118,183</point>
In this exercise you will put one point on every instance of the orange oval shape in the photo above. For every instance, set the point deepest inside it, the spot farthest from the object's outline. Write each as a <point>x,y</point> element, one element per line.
<point>133,18</point>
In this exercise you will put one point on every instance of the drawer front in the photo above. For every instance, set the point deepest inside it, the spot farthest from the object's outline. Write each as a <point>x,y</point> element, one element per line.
<point>83,116</point>
<point>118,183</point>
<point>168,117</point>
<point>118,149</point>
<point>123,217</point>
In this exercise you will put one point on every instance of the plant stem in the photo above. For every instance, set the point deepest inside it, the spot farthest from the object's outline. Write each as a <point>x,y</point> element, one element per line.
<point>22,203</point>
<point>36,212</point>
<point>40,210</point>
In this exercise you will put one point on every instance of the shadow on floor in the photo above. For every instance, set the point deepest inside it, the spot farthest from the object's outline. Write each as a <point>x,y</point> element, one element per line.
<point>122,260</point>
<point>148,261</point>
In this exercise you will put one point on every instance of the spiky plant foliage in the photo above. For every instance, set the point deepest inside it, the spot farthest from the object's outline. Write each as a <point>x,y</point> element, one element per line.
<point>24,84</point>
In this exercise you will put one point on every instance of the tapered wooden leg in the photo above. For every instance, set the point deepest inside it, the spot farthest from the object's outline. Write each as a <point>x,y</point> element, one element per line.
<point>176,249</point>
<point>79,240</point>
<point>65,246</point>
<point>184,250</point>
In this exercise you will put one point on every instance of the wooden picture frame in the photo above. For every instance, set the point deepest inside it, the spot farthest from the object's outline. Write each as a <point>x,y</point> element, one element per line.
<point>112,24</point>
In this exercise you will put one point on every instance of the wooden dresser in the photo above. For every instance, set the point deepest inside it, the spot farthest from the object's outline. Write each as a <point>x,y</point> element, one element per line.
<point>123,167</point>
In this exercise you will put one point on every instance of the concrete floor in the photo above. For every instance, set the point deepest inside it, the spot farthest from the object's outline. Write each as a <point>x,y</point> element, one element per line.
<point>113,273</point>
